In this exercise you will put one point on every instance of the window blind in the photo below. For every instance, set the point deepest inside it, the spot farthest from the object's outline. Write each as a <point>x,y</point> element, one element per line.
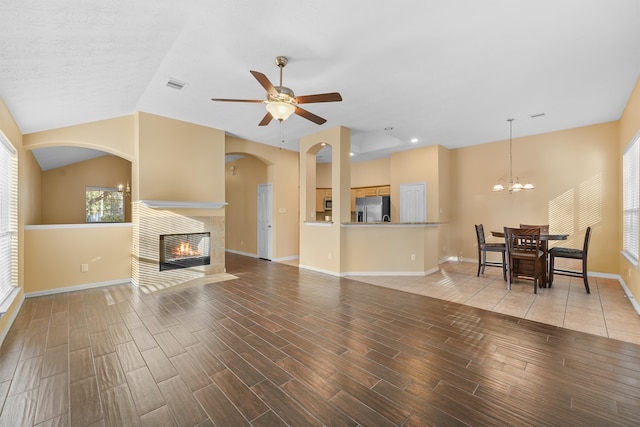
<point>8,217</point>
<point>631,198</point>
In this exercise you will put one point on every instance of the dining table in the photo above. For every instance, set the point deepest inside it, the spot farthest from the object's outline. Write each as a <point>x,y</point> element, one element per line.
<point>545,237</point>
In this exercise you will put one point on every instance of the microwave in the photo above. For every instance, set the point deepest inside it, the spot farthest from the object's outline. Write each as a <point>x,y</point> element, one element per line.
<point>327,203</point>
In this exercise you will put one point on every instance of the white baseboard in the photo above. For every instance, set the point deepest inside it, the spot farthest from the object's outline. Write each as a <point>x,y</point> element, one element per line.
<point>371,273</point>
<point>77,287</point>
<point>241,253</point>
<point>384,273</point>
<point>319,270</point>
<point>286,258</point>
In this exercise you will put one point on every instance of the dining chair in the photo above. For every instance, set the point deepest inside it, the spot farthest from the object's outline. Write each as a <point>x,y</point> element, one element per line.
<point>484,247</point>
<point>570,253</point>
<point>544,228</point>
<point>525,256</point>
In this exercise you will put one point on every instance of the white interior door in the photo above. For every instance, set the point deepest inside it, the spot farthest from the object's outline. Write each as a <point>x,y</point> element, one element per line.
<point>265,216</point>
<point>413,202</point>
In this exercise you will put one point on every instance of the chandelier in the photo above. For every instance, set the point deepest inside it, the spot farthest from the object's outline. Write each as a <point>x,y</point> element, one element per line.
<point>511,184</point>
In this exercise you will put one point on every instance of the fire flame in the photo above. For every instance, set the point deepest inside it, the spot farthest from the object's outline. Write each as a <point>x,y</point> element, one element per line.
<point>184,250</point>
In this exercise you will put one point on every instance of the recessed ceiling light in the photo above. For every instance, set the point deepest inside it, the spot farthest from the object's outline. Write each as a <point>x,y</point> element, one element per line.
<point>413,140</point>
<point>176,84</point>
<point>351,154</point>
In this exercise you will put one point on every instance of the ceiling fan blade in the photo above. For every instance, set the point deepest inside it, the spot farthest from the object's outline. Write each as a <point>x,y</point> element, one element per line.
<point>266,119</point>
<point>264,81</point>
<point>321,97</point>
<point>310,116</point>
<point>237,100</point>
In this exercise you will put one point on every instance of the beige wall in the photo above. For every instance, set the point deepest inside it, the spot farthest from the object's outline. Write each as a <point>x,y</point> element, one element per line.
<point>573,170</point>
<point>55,256</point>
<point>242,179</point>
<point>282,172</point>
<point>414,166</point>
<point>115,136</point>
<point>323,175</point>
<point>371,173</point>
<point>629,127</point>
<point>322,246</point>
<point>63,188</point>
<point>386,249</point>
<point>179,161</point>
<point>31,178</point>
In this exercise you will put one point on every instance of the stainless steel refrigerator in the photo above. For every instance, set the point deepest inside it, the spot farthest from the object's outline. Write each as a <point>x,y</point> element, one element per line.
<point>373,209</point>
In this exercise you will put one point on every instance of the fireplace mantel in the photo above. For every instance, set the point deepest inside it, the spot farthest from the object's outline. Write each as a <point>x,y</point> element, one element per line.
<point>177,204</point>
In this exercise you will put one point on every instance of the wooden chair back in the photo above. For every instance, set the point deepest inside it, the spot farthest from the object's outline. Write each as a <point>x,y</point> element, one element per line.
<point>544,228</point>
<point>480,235</point>
<point>523,240</point>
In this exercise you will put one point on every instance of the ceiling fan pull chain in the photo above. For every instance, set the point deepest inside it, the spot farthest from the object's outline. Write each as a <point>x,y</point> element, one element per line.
<point>282,132</point>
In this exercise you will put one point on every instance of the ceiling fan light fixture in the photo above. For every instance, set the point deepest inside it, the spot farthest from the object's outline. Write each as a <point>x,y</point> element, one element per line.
<point>280,110</point>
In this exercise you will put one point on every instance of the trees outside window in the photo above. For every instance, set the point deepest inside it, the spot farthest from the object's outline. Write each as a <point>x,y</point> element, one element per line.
<point>104,204</point>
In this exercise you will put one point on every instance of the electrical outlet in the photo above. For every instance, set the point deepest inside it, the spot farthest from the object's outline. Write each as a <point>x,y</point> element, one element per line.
<point>84,268</point>
<point>413,257</point>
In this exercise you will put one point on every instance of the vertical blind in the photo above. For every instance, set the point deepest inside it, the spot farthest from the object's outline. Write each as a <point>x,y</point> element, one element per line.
<point>8,217</point>
<point>631,195</point>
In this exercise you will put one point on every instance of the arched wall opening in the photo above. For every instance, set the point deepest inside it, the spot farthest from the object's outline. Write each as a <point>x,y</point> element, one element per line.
<point>67,170</point>
<point>243,173</point>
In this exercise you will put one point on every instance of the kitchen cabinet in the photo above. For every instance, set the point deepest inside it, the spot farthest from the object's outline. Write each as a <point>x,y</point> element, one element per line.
<point>321,194</point>
<point>385,190</point>
<point>371,191</point>
<point>381,190</point>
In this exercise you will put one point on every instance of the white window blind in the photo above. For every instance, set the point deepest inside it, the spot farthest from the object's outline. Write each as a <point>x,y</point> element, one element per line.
<point>631,198</point>
<point>8,218</point>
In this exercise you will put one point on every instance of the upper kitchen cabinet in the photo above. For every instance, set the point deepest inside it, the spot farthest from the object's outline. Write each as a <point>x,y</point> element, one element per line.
<point>381,190</point>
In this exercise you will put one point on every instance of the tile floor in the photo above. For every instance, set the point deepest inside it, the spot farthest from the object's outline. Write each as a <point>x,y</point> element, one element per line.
<point>606,311</point>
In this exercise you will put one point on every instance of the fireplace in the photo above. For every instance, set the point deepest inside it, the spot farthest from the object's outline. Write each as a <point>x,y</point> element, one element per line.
<point>184,250</point>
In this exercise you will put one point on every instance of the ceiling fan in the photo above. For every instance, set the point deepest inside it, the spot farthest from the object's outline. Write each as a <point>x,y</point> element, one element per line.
<point>281,102</point>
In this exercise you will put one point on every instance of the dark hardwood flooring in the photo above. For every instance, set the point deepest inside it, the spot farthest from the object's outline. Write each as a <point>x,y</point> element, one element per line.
<point>279,346</point>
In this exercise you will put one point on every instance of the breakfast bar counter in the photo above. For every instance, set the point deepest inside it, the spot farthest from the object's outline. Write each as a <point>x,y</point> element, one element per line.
<point>391,248</point>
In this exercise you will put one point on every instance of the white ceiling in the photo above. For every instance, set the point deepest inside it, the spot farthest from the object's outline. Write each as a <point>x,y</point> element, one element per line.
<point>447,72</point>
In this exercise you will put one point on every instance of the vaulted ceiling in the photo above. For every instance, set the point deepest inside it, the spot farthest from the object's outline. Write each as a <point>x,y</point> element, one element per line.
<point>447,72</point>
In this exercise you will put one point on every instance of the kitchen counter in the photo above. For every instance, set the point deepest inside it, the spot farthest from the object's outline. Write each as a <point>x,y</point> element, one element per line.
<point>372,248</point>
<point>388,224</point>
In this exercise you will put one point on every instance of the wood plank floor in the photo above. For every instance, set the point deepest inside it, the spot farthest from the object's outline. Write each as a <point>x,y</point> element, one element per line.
<point>279,346</point>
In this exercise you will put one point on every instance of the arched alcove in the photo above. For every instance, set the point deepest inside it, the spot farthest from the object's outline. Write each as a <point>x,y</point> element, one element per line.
<point>243,173</point>
<point>66,172</point>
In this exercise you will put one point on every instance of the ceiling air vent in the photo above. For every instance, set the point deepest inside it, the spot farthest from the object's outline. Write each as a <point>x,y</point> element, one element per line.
<point>176,84</point>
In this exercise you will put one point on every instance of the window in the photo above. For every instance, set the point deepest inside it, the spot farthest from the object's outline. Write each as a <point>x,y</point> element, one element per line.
<point>104,204</point>
<point>8,221</point>
<point>631,202</point>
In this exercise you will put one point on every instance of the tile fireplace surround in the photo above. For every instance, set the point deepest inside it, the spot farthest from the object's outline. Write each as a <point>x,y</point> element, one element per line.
<point>150,220</point>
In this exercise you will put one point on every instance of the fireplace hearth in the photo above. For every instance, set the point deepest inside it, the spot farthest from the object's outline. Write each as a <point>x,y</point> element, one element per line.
<point>184,250</point>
